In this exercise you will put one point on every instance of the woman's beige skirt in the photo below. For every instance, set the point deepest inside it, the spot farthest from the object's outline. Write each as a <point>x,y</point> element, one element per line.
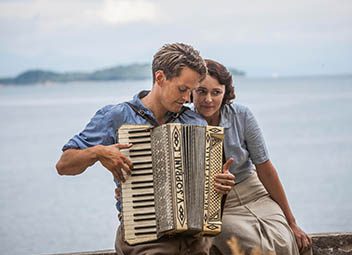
<point>255,220</point>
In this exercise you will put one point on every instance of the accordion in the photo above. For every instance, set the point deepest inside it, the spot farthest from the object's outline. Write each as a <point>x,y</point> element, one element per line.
<point>171,188</point>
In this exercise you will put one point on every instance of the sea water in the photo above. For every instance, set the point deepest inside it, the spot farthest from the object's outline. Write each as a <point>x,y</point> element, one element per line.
<point>306,122</point>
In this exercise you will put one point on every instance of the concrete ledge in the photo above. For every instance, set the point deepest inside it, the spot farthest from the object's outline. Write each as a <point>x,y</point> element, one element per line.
<point>102,252</point>
<point>332,243</point>
<point>323,244</point>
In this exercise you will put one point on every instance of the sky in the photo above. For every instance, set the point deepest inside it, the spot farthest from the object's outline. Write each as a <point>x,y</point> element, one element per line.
<point>260,37</point>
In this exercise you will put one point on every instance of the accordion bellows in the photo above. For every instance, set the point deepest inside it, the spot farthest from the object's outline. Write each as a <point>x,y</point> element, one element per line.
<point>171,189</point>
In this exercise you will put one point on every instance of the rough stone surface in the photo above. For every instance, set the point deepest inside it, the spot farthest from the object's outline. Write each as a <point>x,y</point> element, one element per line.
<point>323,244</point>
<point>332,243</point>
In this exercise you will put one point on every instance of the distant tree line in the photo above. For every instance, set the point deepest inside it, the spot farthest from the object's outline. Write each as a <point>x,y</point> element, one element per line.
<point>121,72</point>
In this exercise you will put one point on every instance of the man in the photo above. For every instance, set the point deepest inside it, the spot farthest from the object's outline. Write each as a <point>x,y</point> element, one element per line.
<point>177,70</point>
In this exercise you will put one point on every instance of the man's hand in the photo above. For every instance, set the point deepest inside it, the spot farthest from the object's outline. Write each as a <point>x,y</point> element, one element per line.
<point>225,181</point>
<point>115,161</point>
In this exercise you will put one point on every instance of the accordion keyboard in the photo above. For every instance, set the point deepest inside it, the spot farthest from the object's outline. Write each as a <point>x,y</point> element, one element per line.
<point>138,211</point>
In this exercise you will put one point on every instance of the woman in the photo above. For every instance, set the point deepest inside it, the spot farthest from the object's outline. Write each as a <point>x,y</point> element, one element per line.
<point>256,211</point>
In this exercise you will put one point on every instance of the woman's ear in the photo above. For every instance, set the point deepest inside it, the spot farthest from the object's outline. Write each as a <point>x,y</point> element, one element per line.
<point>160,78</point>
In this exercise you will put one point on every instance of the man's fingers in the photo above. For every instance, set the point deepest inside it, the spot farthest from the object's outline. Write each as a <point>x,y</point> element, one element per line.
<point>129,163</point>
<point>125,159</point>
<point>117,174</point>
<point>126,170</point>
<point>121,173</point>
<point>123,145</point>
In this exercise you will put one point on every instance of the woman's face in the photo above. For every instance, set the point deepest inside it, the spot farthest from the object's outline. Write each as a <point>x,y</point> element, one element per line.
<point>208,96</point>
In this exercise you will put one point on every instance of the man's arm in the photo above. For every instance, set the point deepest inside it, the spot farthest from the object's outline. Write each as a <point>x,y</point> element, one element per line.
<point>76,161</point>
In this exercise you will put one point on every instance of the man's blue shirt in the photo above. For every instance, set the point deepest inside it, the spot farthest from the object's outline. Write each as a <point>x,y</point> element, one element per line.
<point>102,128</point>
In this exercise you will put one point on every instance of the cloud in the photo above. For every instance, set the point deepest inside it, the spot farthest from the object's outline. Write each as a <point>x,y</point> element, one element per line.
<point>83,33</point>
<point>61,14</point>
<point>121,12</point>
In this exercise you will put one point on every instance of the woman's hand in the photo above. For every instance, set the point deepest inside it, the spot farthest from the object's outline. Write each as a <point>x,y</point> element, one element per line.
<point>225,181</point>
<point>303,240</point>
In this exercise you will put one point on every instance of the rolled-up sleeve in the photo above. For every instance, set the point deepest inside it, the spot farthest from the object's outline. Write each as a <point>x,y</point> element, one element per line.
<point>99,130</point>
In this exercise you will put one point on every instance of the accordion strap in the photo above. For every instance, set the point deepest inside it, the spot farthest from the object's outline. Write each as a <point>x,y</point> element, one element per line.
<point>143,114</point>
<point>151,120</point>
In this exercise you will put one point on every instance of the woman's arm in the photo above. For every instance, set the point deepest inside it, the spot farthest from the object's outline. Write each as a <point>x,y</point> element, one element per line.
<point>270,179</point>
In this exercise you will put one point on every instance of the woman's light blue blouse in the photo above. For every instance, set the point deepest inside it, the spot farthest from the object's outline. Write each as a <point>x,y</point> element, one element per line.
<point>243,140</point>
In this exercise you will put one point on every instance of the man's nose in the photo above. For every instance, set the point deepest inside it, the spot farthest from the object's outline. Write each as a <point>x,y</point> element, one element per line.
<point>187,97</point>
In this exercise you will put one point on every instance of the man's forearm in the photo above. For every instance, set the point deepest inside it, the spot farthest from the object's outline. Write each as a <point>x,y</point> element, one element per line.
<point>76,161</point>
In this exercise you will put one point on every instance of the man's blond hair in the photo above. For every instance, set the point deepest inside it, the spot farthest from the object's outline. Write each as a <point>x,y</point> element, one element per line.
<point>172,58</point>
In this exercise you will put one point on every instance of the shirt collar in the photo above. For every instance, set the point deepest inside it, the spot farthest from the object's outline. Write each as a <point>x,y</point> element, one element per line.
<point>139,104</point>
<point>136,100</point>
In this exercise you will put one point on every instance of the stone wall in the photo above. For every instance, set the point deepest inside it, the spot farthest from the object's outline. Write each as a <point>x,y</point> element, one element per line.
<point>332,243</point>
<point>323,244</point>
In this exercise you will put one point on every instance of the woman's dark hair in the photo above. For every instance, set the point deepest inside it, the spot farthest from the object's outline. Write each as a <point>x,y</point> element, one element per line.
<point>224,77</point>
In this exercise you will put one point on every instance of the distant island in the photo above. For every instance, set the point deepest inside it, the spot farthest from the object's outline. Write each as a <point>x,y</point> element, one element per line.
<point>120,72</point>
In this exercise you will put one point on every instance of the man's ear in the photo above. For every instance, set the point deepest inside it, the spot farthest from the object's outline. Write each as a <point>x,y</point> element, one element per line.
<point>160,78</point>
